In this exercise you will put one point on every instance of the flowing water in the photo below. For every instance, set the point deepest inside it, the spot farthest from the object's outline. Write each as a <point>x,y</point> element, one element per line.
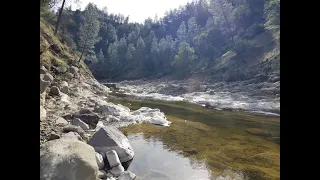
<point>203,143</point>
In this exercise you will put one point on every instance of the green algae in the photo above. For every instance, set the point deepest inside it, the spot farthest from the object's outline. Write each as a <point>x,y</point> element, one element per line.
<point>217,137</point>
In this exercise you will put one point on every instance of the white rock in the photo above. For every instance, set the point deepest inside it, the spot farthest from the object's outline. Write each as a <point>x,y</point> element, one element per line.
<point>99,125</point>
<point>67,159</point>
<point>116,171</point>
<point>110,138</point>
<point>113,158</point>
<point>43,113</point>
<point>78,122</point>
<point>127,175</point>
<point>100,161</point>
<point>61,122</point>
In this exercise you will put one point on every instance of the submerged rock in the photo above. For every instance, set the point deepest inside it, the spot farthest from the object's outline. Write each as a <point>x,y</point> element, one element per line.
<point>110,138</point>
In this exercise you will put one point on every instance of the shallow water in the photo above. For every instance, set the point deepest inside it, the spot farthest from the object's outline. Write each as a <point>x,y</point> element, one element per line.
<point>153,161</point>
<point>222,141</point>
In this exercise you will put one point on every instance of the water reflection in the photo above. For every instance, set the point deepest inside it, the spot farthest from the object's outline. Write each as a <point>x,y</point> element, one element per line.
<point>153,162</point>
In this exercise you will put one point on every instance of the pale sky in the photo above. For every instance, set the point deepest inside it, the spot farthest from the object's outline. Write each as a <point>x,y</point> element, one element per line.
<point>138,10</point>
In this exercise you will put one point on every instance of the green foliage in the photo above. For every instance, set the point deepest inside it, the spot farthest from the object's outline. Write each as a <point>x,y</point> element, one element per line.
<point>243,46</point>
<point>184,59</point>
<point>154,48</point>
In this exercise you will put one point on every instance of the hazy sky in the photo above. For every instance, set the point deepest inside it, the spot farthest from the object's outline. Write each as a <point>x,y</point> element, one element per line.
<point>138,10</point>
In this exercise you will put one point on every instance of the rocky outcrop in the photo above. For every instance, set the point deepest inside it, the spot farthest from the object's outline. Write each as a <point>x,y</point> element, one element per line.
<point>110,138</point>
<point>67,159</point>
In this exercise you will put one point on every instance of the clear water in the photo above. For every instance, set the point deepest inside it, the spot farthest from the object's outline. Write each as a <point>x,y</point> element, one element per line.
<point>153,161</point>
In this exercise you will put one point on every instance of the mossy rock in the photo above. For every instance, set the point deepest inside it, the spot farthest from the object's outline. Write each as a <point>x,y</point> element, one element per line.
<point>258,132</point>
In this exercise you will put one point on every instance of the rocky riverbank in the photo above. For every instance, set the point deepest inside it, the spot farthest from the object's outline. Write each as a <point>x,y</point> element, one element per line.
<point>79,138</point>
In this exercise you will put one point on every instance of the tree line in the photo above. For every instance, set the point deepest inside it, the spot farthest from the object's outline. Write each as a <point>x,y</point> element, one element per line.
<point>186,40</point>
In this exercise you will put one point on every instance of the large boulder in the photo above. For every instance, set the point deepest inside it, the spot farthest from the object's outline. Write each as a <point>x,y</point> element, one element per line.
<point>67,159</point>
<point>110,138</point>
<point>78,122</point>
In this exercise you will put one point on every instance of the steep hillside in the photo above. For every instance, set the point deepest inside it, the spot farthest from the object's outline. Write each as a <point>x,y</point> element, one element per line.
<point>55,54</point>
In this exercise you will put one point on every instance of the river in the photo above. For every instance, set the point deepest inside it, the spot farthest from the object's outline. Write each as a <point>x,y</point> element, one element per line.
<point>202,143</point>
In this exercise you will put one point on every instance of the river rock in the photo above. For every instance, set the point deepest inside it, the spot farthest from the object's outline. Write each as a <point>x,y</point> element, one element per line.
<point>117,170</point>
<point>73,69</point>
<point>100,161</point>
<point>110,138</point>
<point>43,113</point>
<point>69,75</point>
<point>127,175</point>
<point>48,77</point>
<point>43,70</point>
<point>71,135</point>
<point>61,122</point>
<point>55,91</point>
<point>72,128</point>
<point>64,87</point>
<point>90,119</point>
<point>67,159</point>
<point>78,122</point>
<point>43,84</point>
<point>53,136</point>
<point>113,158</point>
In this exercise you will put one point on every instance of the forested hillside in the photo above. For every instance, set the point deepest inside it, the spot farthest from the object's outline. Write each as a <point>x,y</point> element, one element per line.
<point>218,39</point>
